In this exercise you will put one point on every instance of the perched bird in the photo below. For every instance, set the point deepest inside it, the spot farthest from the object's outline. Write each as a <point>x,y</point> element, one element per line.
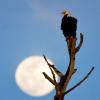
<point>68,25</point>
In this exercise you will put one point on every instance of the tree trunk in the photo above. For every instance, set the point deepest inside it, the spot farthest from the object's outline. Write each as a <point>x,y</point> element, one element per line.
<point>58,97</point>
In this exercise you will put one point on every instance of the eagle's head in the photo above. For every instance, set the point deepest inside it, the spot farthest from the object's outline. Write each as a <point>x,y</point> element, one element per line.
<point>66,12</point>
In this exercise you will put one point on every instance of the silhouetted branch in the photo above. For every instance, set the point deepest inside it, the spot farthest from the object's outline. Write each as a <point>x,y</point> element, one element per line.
<point>50,69</point>
<point>79,83</point>
<point>49,79</point>
<point>60,74</point>
<point>80,44</point>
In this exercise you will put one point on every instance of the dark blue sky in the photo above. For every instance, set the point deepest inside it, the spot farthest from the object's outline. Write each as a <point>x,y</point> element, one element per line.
<point>32,27</point>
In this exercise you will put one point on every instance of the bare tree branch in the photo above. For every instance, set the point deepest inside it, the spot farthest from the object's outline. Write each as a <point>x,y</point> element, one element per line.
<point>60,74</point>
<point>80,44</point>
<point>49,79</point>
<point>80,81</point>
<point>54,78</point>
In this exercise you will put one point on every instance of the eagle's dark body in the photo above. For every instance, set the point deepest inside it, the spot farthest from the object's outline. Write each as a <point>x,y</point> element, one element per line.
<point>69,26</point>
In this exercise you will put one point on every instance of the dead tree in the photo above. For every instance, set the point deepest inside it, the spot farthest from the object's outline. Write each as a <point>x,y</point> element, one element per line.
<point>61,86</point>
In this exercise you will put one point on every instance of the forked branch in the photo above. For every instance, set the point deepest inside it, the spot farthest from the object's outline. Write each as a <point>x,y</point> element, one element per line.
<point>51,70</point>
<point>53,81</point>
<point>60,74</point>
<point>49,79</point>
<point>79,83</point>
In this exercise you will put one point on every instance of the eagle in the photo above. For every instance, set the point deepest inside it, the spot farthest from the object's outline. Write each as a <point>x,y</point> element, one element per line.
<point>68,25</point>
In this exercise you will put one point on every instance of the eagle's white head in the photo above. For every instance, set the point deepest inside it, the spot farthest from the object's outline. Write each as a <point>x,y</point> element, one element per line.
<point>66,12</point>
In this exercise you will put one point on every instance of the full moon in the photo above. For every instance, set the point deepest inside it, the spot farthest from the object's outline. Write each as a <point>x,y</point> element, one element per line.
<point>30,79</point>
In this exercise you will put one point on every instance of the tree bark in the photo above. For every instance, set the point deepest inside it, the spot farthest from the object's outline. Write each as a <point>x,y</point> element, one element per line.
<point>58,97</point>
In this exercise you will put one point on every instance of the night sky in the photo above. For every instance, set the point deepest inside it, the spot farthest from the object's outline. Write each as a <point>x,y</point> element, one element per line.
<point>32,27</point>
